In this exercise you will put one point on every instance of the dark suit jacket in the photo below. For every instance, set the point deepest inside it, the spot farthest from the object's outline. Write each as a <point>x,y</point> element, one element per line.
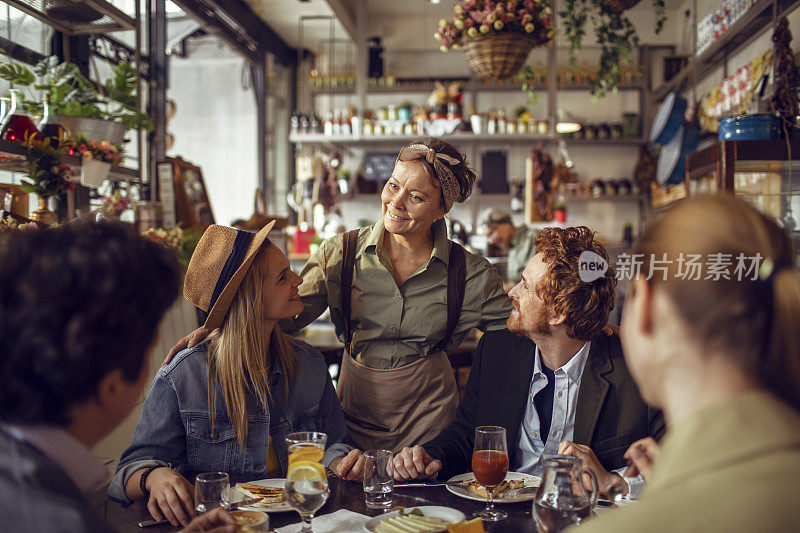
<point>36,495</point>
<point>610,413</point>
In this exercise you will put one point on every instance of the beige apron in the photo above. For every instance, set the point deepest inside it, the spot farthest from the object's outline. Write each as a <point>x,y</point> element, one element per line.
<point>389,409</point>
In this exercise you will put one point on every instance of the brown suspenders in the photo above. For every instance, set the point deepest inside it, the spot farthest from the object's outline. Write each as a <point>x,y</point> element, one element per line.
<point>456,284</point>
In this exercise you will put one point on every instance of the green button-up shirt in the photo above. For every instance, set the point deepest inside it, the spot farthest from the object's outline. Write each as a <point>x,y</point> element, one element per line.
<point>396,325</point>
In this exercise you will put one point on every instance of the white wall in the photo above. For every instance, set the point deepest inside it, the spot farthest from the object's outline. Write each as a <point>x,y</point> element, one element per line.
<point>215,125</point>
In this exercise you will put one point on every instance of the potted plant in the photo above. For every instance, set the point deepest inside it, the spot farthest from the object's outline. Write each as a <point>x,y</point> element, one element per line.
<point>614,32</point>
<point>497,36</point>
<point>560,212</point>
<point>96,159</point>
<point>47,176</point>
<point>102,110</point>
<point>113,206</point>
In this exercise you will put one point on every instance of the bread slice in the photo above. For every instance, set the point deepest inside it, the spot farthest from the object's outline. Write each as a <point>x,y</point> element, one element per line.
<point>507,485</point>
<point>269,495</point>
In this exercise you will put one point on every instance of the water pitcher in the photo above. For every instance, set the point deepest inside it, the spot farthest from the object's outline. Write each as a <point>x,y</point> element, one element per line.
<point>562,499</point>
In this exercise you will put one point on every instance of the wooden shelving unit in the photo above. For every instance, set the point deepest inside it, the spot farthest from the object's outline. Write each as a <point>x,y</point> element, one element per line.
<point>460,138</point>
<point>422,86</point>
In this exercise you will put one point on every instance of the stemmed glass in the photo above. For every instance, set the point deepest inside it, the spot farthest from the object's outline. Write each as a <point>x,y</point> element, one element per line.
<point>490,466</point>
<point>306,481</point>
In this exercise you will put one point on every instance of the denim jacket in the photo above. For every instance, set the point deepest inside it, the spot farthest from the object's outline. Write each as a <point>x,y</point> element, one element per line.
<point>174,428</point>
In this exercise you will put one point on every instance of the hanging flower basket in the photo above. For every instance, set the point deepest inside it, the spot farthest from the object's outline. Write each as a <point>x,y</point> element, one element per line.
<point>93,172</point>
<point>498,56</point>
<point>497,37</point>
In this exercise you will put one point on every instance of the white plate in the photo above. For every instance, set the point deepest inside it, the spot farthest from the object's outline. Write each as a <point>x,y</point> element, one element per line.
<point>530,481</point>
<point>281,507</point>
<point>434,511</point>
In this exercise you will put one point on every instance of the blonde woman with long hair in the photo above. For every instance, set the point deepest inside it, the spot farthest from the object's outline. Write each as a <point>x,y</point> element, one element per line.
<point>228,403</point>
<point>721,358</point>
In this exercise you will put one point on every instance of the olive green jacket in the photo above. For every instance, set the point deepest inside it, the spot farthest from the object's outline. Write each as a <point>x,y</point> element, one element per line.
<point>731,467</point>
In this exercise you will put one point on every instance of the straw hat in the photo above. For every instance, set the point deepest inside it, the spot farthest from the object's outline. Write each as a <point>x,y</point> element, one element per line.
<point>218,265</point>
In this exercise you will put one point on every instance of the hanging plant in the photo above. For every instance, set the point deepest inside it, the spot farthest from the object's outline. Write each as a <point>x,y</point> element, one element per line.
<point>614,32</point>
<point>496,36</point>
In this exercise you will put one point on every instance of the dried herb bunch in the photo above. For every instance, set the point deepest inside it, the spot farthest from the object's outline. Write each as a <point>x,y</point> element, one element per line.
<point>787,76</point>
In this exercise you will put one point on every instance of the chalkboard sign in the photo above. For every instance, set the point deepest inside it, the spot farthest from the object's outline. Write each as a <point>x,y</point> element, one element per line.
<point>494,175</point>
<point>378,166</point>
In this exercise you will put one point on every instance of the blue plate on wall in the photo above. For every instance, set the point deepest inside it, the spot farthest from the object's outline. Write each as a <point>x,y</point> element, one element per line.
<point>668,119</point>
<point>671,168</point>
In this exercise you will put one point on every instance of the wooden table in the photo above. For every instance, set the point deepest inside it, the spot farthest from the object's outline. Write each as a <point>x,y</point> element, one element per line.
<point>349,495</point>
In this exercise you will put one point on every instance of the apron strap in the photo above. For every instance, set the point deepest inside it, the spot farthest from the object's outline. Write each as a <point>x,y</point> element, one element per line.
<point>456,285</point>
<point>348,266</point>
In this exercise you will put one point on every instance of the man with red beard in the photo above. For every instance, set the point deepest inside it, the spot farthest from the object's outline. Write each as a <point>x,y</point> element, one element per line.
<point>556,379</point>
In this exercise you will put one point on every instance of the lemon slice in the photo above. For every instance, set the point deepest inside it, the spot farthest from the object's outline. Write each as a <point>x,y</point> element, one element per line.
<point>307,453</point>
<point>306,471</point>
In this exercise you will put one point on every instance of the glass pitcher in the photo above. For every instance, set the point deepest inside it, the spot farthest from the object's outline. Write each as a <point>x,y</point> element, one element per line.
<point>562,499</point>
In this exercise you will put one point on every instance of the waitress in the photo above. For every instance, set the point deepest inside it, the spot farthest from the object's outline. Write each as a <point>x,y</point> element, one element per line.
<point>410,296</point>
<point>396,383</point>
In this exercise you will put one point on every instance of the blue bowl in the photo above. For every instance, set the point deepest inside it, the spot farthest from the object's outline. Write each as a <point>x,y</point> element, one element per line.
<point>762,127</point>
<point>669,119</point>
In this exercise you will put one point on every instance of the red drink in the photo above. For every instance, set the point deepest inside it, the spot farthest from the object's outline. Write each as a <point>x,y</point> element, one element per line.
<point>18,127</point>
<point>490,467</point>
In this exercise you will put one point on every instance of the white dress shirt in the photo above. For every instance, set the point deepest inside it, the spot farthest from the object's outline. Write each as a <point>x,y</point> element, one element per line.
<point>532,444</point>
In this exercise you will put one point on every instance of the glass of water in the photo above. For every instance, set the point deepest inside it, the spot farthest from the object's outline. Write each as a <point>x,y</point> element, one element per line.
<point>378,479</point>
<point>210,491</point>
<point>306,480</point>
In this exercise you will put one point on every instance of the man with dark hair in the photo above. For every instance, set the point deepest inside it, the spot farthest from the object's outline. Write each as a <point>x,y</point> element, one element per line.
<point>517,242</point>
<point>556,379</point>
<point>79,311</point>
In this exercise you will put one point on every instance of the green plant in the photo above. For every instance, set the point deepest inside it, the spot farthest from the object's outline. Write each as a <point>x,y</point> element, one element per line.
<point>47,175</point>
<point>614,32</point>
<point>406,105</point>
<point>73,94</point>
<point>559,206</point>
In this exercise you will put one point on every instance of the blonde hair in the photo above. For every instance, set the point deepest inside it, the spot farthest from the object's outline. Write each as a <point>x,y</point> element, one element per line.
<point>754,321</point>
<point>242,357</point>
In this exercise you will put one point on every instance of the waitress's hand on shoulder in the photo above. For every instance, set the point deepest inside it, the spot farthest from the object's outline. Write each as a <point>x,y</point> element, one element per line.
<point>171,497</point>
<point>189,341</point>
<point>415,463</point>
<point>350,466</point>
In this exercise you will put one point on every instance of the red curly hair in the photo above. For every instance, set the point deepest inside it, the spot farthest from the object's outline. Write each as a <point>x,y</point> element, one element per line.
<point>585,305</point>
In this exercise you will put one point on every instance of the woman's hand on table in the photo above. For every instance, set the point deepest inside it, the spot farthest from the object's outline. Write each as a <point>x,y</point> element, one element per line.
<point>641,454</point>
<point>214,521</point>
<point>415,463</point>
<point>189,341</point>
<point>171,497</point>
<point>350,466</point>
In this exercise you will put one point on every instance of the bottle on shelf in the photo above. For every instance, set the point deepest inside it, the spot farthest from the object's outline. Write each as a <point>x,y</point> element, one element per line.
<point>327,127</point>
<point>49,128</point>
<point>345,124</point>
<point>491,123</point>
<point>501,121</point>
<point>17,125</point>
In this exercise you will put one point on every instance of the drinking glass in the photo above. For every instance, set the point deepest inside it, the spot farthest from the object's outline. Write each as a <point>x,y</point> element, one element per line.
<point>306,481</point>
<point>378,479</point>
<point>210,491</point>
<point>490,466</point>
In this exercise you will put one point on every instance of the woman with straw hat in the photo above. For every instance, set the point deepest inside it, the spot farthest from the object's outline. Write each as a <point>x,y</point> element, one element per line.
<point>228,403</point>
<point>401,296</point>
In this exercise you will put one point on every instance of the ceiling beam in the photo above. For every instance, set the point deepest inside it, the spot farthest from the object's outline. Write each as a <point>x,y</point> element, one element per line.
<point>239,26</point>
<point>345,17</point>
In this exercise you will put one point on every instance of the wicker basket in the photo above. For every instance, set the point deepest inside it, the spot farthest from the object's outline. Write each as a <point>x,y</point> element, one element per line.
<point>618,6</point>
<point>498,56</point>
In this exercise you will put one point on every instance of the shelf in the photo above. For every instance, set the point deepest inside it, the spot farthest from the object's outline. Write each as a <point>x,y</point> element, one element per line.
<point>12,159</point>
<point>427,87</point>
<point>751,25</point>
<point>111,18</point>
<point>664,197</point>
<point>599,142</point>
<point>457,138</point>
<point>616,198</point>
<point>388,139</point>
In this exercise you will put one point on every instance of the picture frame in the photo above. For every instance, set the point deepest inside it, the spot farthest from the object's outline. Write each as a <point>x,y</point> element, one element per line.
<point>192,206</point>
